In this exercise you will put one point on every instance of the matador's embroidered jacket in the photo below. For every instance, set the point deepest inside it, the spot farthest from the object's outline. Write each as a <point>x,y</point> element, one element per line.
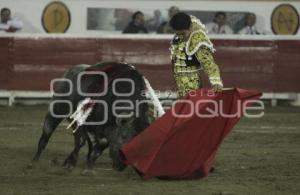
<point>188,57</point>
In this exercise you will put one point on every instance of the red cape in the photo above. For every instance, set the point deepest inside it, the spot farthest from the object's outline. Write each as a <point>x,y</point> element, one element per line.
<point>185,148</point>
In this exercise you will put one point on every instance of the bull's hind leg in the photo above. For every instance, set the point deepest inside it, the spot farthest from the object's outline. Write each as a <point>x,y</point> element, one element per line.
<point>49,127</point>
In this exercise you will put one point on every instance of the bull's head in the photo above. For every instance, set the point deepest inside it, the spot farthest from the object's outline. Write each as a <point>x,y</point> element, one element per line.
<point>126,129</point>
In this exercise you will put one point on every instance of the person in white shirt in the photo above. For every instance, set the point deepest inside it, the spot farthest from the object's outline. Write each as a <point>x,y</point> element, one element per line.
<point>8,23</point>
<point>219,25</point>
<point>153,23</point>
<point>250,27</point>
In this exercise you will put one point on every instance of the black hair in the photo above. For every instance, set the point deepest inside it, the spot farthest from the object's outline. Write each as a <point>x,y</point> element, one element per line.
<point>246,17</point>
<point>134,15</point>
<point>180,21</point>
<point>5,9</point>
<point>249,14</point>
<point>220,14</point>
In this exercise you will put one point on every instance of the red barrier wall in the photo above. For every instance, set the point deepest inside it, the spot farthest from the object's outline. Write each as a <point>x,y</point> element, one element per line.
<point>31,63</point>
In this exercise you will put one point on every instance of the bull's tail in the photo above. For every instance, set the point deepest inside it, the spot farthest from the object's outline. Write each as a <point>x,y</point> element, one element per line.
<point>156,103</point>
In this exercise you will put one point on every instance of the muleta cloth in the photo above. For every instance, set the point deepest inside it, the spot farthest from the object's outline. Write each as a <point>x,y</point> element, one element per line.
<point>178,147</point>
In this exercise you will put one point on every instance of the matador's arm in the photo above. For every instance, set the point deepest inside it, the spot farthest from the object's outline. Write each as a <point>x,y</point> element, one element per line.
<point>204,56</point>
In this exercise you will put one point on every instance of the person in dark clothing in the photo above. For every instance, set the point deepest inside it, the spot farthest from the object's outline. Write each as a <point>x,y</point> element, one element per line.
<point>136,25</point>
<point>165,27</point>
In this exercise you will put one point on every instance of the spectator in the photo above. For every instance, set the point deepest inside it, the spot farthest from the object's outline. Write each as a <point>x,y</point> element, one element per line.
<point>155,22</point>
<point>9,24</point>
<point>219,26</point>
<point>136,25</point>
<point>165,27</point>
<point>250,28</point>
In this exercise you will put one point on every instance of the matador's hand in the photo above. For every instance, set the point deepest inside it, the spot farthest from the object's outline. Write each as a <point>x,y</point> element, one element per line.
<point>217,88</point>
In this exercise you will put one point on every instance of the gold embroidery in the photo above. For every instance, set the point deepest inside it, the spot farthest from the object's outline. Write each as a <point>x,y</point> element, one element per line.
<point>187,77</point>
<point>204,56</point>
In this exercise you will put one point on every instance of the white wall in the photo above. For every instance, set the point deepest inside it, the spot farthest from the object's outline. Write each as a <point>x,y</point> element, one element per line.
<point>31,10</point>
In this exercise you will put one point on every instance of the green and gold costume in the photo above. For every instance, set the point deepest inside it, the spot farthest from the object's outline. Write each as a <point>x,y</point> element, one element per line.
<point>188,57</point>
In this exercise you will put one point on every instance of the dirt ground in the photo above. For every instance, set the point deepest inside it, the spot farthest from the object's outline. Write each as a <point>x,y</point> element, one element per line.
<point>260,156</point>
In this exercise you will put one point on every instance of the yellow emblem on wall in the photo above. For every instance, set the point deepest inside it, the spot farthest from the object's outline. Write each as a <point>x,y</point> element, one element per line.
<point>285,20</point>
<point>56,17</point>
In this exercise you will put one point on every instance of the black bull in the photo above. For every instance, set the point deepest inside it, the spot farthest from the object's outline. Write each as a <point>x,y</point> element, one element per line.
<point>117,128</point>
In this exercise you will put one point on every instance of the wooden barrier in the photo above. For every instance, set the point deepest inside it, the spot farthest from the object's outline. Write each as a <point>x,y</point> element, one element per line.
<point>29,63</point>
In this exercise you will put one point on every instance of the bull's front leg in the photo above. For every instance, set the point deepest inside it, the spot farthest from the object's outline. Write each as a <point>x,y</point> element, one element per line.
<point>97,149</point>
<point>79,141</point>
